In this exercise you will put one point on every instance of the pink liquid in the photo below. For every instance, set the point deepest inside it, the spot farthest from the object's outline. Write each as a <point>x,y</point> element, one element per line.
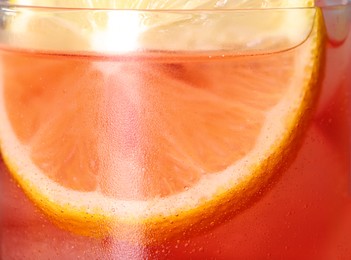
<point>306,215</point>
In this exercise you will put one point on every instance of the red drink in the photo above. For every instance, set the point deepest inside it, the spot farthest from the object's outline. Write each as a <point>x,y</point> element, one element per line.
<point>302,210</point>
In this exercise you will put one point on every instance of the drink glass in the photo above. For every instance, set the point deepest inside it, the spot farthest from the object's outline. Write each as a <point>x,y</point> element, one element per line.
<point>132,104</point>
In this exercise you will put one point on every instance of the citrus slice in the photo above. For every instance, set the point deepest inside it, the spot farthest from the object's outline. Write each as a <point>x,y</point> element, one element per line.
<point>166,4</point>
<point>263,28</point>
<point>147,148</point>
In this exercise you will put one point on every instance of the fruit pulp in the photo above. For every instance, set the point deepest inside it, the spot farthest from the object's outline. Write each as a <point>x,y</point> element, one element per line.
<point>305,214</point>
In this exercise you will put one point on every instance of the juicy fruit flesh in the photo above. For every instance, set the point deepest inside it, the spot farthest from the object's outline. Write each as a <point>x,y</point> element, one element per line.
<point>137,130</point>
<point>226,190</point>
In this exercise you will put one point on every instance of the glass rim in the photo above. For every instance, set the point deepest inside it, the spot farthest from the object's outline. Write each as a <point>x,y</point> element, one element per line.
<point>6,4</point>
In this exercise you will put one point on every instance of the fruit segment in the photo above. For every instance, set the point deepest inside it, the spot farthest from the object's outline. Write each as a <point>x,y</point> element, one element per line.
<point>154,144</point>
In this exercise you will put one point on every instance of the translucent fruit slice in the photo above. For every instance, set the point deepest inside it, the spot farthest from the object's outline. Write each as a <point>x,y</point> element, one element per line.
<point>146,151</point>
<point>264,27</point>
<point>166,4</point>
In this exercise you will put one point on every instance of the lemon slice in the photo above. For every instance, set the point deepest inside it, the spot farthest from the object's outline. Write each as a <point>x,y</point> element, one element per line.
<point>114,31</point>
<point>167,4</point>
<point>154,151</point>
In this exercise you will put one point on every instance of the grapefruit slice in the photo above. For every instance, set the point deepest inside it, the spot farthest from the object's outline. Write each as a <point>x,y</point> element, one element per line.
<point>153,147</point>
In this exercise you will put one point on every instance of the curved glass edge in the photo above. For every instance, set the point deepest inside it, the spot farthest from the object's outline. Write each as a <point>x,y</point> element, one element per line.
<point>119,31</point>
